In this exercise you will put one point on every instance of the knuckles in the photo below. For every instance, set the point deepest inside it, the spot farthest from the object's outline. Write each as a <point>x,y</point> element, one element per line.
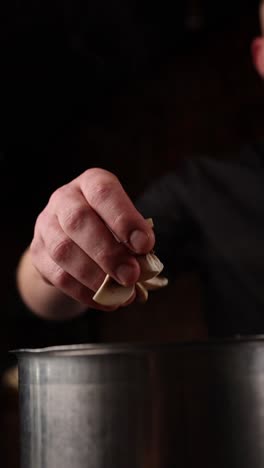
<point>74,219</point>
<point>60,279</point>
<point>60,250</point>
<point>99,184</point>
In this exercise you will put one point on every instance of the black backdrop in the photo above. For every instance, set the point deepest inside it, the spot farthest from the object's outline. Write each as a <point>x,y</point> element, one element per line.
<point>63,65</point>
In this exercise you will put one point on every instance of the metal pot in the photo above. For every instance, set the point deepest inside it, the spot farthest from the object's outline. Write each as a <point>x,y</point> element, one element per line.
<point>185,405</point>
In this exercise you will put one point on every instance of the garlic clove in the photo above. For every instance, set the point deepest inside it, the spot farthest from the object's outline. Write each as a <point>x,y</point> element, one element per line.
<point>156,282</point>
<point>150,266</point>
<point>142,293</point>
<point>111,293</point>
<point>150,222</point>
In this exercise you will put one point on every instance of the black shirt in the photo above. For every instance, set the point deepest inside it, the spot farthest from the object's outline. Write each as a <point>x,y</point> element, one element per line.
<point>209,217</point>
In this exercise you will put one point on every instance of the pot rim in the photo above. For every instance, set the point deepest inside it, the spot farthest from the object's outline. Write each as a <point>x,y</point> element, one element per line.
<point>137,347</point>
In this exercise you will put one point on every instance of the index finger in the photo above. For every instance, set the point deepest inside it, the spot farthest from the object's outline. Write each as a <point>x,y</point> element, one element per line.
<point>107,197</point>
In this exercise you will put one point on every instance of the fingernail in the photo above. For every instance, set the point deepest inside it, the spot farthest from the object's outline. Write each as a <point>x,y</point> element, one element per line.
<point>139,240</point>
<point>125,274</point>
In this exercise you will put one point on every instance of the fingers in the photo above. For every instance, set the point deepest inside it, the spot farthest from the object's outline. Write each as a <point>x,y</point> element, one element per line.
<point>90,229</point>
<point>108,199</point>
<point>81,224</point>
<point>56,276</point>
<point>68,255</point>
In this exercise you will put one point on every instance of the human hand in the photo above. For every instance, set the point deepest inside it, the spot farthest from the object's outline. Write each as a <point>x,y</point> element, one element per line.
<point>90,229</point>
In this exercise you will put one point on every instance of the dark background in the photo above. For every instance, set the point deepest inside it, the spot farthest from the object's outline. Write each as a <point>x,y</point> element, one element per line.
<point>131,87</point>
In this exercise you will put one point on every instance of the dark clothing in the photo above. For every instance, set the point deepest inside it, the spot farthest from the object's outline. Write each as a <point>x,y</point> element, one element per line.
<point>209,217</point>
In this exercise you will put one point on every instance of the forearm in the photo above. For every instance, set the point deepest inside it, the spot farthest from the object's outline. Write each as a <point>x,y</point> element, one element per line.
<point>41,298</point>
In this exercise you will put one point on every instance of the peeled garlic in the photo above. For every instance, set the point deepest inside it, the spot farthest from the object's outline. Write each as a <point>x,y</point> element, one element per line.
<point>142,293</point>
<point>154,283</point>
<point>150,266</point>
<point>112,293</point>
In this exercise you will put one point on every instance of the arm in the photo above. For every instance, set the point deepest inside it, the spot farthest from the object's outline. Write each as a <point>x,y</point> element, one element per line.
<point>88,229</point>
<point>172,204</point>
<point>41,297</point>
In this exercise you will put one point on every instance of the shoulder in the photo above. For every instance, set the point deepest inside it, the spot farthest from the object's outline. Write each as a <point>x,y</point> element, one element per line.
<point>244,163</point>
<point>194,178</point>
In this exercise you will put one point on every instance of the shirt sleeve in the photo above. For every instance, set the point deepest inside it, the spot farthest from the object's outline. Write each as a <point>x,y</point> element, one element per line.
<point>168,201</point>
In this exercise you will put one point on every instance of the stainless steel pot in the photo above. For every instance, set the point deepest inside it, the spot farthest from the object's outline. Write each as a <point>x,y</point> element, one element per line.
<point>185,405</point>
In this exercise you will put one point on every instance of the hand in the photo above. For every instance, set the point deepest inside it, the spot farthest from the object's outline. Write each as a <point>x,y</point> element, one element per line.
<point>88,229</point>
